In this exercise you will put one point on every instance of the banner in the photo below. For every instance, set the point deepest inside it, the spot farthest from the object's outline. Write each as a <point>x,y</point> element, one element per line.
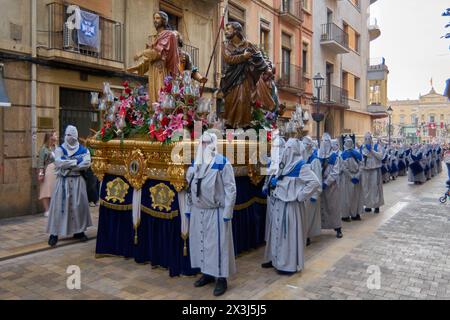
<point>89,32</point>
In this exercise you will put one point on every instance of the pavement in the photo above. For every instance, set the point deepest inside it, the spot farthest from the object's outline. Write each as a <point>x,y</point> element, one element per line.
<point>401,253</point>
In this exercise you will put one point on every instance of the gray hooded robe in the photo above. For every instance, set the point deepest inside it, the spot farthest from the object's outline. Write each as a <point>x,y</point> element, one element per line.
<point>209,206</point>
<point>372,184</point>
<point>69,207</point>
<point>352,201</point>
<point>312,206</point>
<point>331,199</point>
<point>295,184</point>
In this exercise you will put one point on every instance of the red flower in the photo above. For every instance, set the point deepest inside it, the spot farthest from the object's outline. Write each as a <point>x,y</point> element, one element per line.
<point>165,122</point>
<point>168,88</point>
<point>103,132</point>
<point>122,98</point>
<point>126,84</point>
<point>128,91</point>
<point>269,136</point>
<point>258,104</point>
<point>161,135</point>
<point>151,130</point>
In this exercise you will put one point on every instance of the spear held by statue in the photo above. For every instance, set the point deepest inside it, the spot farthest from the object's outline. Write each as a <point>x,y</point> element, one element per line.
<point>221,27</point>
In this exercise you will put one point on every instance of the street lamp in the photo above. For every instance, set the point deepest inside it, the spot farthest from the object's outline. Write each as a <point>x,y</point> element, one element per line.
<point>317,116</point>
<point>389,111</point>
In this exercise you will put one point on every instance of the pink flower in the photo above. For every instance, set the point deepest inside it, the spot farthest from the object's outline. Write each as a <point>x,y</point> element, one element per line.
<point>177,122</point>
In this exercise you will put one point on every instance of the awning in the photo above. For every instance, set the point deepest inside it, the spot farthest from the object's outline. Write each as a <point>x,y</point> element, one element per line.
<point>4,100</point>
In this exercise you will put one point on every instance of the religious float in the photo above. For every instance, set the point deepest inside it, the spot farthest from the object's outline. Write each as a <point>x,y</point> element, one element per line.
<point>141,155</point>
<point>146,144</point>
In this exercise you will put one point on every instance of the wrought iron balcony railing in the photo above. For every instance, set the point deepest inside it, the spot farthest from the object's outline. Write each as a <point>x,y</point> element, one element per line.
<point>292,9</point>
<point>289,77</point>
<point>331,32</point>
<point>193,52</point>
<point>62,38</point>
<point>334,95</point>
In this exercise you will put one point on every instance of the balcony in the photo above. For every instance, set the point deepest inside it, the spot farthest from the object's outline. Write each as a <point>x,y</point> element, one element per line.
<point>334,38</point>
<point>377,69</point>
<point>374,29</point>
<point>334,96</point>
<point>61,44</point>
<point>290,78</point>
<point>291,11</point>
<point>193,53</point>
<point>377,111</point>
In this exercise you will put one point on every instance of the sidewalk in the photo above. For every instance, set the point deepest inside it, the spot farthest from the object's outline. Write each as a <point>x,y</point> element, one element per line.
<point>24,235</point>
<point>408,241</point>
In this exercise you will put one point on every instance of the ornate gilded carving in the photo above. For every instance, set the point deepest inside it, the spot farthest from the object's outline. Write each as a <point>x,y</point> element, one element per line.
<point>162,197</point>
<point>116,190</point>
<point>139,160</point>
<point>254,174</point>
<point>135,169</point>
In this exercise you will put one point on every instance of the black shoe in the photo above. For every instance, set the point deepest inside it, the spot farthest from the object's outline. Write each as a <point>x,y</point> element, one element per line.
<point>267,265</point>
<point>52,240</point>
<point>285,273</point>
<point>203,281</point>
<point>339,233</point>
<point>368,209</point>
<point>357,218</point>
<point>346,219</point>
<point>81,236</point>
<point>377,210</point>
<point>308,242</point>
<point>221,287</point>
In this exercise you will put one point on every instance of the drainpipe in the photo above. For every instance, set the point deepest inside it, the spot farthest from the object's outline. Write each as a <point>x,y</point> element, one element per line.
<point>33,105</point>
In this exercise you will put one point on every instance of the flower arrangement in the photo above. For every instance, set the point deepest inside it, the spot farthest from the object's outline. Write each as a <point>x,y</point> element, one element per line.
<point>178,108</point>
<point>264,119</point>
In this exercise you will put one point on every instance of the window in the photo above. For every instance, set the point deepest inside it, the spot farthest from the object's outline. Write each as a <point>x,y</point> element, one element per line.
<point>357,89</point>
<point>285,55</point>
<point>414,119</point>
<point>432,117</point>
<point>236,14</point>
<point>174,13</point>
<point>352,85</point>
<point>305,57</point>
<point>286,6</point>
<point>264,36</point>
<point>354,37</point>
<point>306,5</point>
<point>329,16</point>
<point>173,21</point>
<point>402,119</point>
<point>374,94</point>
<point>357,42</point>
<point>442,117</point>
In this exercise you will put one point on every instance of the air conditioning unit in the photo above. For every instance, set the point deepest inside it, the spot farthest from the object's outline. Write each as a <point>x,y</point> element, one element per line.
<point>68,42</point>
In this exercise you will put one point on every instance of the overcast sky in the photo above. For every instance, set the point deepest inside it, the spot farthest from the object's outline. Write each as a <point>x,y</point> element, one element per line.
<point>411,42</point>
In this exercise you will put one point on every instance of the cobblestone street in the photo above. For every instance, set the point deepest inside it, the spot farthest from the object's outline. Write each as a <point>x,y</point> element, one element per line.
<point>408,241</point>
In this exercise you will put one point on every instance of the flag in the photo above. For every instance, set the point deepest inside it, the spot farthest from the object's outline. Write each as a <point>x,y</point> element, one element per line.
<point>447,89</point>
<point>89,33</point>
